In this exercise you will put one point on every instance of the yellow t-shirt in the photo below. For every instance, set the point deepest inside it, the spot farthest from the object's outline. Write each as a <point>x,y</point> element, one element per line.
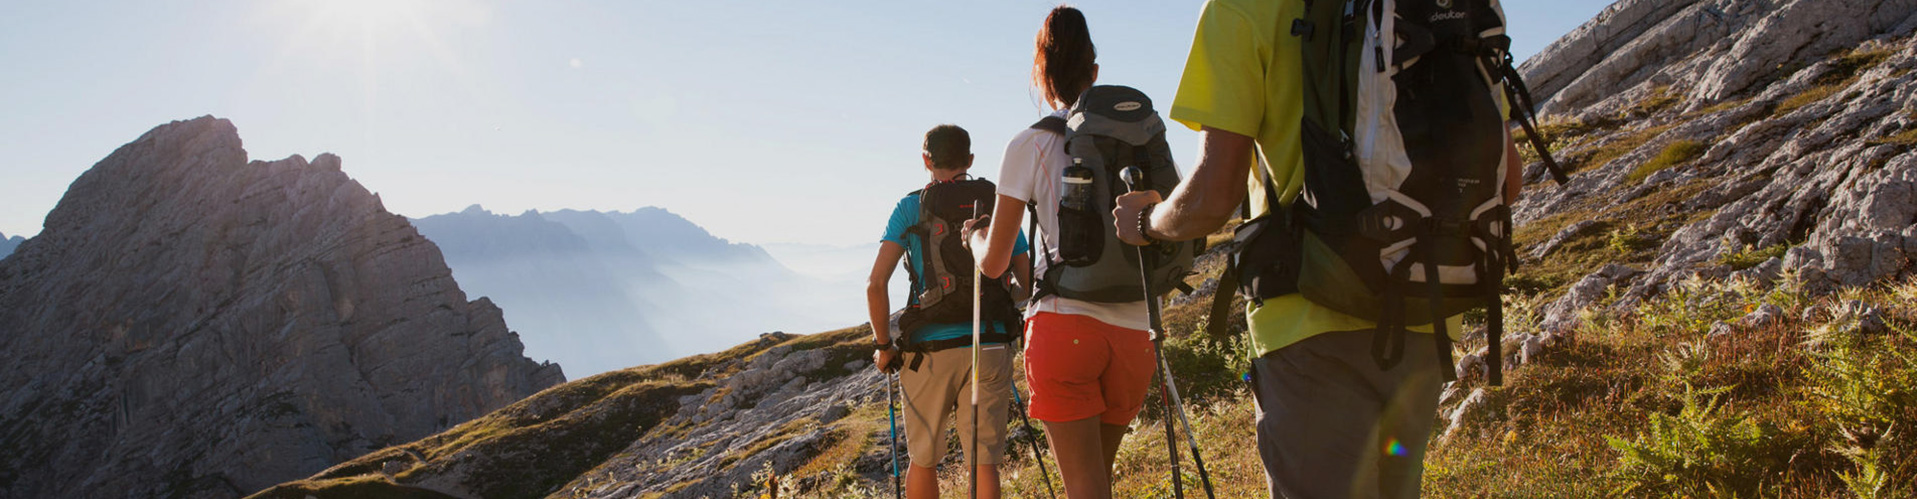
<point>1245,78</point>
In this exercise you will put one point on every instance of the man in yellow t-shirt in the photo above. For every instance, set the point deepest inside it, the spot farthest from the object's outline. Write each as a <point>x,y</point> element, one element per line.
<point>1331,423</point>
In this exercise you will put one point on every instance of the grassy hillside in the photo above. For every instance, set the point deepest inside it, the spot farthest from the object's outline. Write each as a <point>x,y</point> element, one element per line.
<point>1640,403</point>
<point>1716,385</point>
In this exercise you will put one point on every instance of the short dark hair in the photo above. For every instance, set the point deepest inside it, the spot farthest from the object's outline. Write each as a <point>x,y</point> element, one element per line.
<point>949,146</point>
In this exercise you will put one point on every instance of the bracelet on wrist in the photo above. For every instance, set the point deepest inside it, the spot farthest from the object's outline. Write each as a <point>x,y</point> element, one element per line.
<point>1145,222</point>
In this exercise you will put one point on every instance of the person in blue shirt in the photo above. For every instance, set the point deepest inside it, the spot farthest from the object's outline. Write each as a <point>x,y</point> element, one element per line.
<point>938,383</point>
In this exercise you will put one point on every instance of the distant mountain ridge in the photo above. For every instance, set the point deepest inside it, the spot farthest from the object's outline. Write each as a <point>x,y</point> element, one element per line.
<point>7,244</point>
<point>599,291</point>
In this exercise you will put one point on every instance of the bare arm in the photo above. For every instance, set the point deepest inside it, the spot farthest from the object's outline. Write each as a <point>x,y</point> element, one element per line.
<point>993,247</point>
<point>1201,204</point>
<point>878,298</point>
<point>1022,272</point>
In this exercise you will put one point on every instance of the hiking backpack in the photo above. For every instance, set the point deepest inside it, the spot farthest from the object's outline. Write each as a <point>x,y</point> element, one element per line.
<point>945,290</point>
<point>1402,219</point>
<point>1108,129</point>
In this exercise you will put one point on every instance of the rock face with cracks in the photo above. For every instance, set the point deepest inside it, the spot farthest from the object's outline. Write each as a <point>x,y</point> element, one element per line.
<point>191,324</point>
<point>1804,113</point>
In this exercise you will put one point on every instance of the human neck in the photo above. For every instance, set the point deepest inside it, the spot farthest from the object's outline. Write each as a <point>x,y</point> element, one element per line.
<point>946,175</point>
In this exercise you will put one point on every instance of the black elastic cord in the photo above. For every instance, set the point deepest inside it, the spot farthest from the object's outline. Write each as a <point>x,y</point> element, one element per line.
<point>1524,110</point>
<point>1494,319</point>
<point>1439,330</point>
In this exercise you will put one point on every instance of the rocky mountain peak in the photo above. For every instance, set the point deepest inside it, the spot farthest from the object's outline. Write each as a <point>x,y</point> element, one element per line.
<point>192,324</point>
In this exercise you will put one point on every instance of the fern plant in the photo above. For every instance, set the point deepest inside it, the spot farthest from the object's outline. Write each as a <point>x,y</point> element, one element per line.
<point>1870,481</point>
<point>1867,387</point>
<point>1698,452</point>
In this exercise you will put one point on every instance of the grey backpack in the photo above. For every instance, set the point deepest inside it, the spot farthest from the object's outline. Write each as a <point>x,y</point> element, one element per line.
<point>1109,129</point>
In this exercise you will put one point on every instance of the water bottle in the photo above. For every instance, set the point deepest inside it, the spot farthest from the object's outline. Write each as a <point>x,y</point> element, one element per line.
<point>1078,221</point>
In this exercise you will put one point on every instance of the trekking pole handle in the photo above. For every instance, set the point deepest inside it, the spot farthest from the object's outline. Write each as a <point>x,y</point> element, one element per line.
<point>1133,178</point>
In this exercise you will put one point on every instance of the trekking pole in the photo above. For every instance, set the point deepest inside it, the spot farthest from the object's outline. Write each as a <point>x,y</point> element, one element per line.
<point>978,275</point>
<point>1019,403</point>
<point>892,416</point>
<point>1133,178</point>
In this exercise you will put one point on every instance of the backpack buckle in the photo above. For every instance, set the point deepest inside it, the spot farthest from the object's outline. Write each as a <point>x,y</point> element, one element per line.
<point>1445,226</point>
<point>1303,29</point>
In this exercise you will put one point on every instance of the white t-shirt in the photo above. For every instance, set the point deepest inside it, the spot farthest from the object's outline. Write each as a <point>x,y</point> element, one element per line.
<point>1034,161</point>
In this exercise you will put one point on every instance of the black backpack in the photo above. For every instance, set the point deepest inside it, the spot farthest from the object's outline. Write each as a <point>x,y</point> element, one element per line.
<point>1402,219</point>
<point>945,290</point>
<point>1108,129</point>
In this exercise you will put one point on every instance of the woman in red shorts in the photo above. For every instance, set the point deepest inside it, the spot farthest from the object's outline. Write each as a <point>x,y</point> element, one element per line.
<point>1089,363</point>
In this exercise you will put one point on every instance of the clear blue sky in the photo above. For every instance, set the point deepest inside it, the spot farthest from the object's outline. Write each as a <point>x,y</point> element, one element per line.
<point>763,121</point>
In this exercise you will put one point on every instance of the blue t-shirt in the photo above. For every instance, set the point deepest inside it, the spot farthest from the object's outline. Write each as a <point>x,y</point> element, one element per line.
<point>904,217</point>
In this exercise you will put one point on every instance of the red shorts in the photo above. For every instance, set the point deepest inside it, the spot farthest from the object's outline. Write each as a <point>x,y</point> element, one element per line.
<point>1080,367</point>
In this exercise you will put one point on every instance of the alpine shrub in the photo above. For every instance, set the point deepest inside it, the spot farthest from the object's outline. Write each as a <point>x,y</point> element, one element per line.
<point>1699,452</point>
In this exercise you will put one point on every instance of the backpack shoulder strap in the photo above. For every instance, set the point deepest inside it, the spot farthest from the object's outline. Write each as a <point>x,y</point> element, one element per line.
<point>918,226</point>
<point>917,230</point>
<point>1052,124</point>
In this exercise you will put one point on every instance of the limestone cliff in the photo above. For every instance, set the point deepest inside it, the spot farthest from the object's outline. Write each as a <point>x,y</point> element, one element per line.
<point>1721,137</point>
<point>192,324</point>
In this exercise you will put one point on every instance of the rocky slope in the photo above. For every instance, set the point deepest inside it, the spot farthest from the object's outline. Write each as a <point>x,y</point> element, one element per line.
<point>700,426</point>
<point>1731,136</point>
<point>1738,229</point>
<point>192,324</point>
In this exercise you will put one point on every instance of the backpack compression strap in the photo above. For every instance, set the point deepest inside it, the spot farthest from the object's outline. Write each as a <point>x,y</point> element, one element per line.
<point>1042,286</point>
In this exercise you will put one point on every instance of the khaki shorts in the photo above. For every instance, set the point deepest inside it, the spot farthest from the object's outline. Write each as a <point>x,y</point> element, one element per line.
<point>942,386</point>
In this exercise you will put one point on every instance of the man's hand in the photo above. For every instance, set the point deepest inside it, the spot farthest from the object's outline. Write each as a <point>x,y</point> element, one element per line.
<point>1125,215</point>
<point>973,234</point>
<point>883,359</point>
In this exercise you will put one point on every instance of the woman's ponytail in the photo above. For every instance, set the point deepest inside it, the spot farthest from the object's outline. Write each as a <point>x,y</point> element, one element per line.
<point>1062,66</point>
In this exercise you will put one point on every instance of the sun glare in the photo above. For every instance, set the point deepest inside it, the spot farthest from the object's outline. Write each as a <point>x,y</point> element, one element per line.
<point>366,13</point>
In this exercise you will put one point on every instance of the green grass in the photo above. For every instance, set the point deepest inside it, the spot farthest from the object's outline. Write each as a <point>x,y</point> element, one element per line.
<point>1604,154</point>
<point>1807,97</point>
<point>1628,240</point>
<point>1637,227</point>
<point>1722,107</point>
<point>1677,153</point>
<point>1905,138</point>
<point>1844,74</point>
<point>1660,99</point>
<point>1755,414</point>
<point>1752,257</point>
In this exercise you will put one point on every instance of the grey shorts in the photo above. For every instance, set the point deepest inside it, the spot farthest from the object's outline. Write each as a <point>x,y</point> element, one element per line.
<point>1332,425</point>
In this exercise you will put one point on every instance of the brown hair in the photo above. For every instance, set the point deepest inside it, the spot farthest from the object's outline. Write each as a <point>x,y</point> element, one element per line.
<point>1063,64</point>
<point>949,146</point>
